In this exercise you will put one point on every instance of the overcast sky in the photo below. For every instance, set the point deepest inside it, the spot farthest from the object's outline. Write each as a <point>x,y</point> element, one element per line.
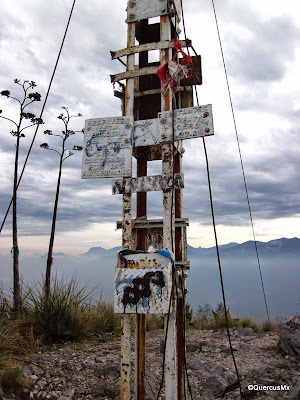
<point>261,42</point>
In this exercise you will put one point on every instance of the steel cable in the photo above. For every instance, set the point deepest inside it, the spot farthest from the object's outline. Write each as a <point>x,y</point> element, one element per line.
<point>216,239</point>
<point>241,159</point>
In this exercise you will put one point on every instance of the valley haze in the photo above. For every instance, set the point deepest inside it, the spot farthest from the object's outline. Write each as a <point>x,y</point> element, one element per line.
<point>279,263</point>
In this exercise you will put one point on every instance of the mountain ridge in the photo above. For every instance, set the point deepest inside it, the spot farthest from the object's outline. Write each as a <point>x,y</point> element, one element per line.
<point>280,247</point>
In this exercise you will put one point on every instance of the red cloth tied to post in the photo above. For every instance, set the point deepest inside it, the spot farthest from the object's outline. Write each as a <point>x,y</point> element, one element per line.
<point>172,72</point>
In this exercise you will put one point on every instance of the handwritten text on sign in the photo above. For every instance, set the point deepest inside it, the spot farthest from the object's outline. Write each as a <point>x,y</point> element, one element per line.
<point>189,123</point>
<point>107,147</point>
<point>108,142</point>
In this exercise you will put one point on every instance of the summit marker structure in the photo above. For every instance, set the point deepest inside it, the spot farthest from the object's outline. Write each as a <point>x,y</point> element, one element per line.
<point>158,114</point>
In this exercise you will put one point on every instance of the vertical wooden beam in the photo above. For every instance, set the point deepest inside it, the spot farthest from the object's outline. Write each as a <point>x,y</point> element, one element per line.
<point>171,382</point>
<point>180,303</point>
<point>141,213</point>
<point>126,233</point>
<point>140,332</point>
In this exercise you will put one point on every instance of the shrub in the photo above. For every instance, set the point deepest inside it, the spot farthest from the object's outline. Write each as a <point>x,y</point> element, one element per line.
<point>188,315</point>
<point>102,318</point>
<point>61,314</point>
<point>271,326</point>
<point>220,320</point>
<point>154,322</point>
<point>12,381</point>
<point>204,317</point>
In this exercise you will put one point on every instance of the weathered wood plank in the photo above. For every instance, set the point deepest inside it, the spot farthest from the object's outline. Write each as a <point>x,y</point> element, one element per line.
<point>157,91</point>
<point>153,223</point>
<point>165,44</point>
<point>147,184</point>
<point>134,73</point>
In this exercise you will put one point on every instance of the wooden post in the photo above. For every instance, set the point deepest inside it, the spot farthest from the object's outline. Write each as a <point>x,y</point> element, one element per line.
<point>126,232</point>
<point>171,379</point>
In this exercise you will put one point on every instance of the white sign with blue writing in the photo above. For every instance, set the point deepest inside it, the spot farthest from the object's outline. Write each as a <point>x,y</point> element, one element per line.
<point>107,150</point>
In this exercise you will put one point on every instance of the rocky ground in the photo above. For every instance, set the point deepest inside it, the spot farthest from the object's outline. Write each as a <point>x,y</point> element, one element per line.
<point>91,369</point>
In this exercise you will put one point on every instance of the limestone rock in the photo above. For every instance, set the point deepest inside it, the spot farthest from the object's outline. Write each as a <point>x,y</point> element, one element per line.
<point>219,383</point>
<point>244,331</point>
<point>99,389</point>
<point>289,339</point>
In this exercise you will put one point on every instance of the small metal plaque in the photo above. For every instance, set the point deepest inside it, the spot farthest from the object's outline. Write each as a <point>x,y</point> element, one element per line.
<point>145,132</point>
<point>144,9</point>
<point>145,286</point>
<point>107,149</point>
<point>189,123</point>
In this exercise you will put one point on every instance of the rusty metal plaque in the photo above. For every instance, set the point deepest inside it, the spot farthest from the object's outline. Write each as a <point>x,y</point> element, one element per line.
<point>107,149</point>
<point>143,9</point>
<point>145,286</point>
<point>189,123</point>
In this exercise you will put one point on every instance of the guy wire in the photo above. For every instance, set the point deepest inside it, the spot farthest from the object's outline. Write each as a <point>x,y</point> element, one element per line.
<point>216,239</point>
<point>241,160</point>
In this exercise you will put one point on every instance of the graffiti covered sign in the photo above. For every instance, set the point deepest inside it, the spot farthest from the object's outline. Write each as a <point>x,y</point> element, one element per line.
<point>144,287</point>
<point>293,323</point>
<point>107,148</point>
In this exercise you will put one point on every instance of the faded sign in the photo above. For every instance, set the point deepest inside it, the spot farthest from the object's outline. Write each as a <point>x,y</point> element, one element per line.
<point>144,287</point>
<point>107,147</point>
<point>143,9</point>
<point>146,132</point>
<point>188,123</point>
<point>147,183</point>
<point>293,323</point>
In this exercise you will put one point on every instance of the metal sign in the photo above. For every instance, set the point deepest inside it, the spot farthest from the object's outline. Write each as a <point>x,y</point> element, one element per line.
<point>143,9</point>
<point>107,147</point>
<point>189,123</point>
<point>108,142</point>
<point>144,287</point>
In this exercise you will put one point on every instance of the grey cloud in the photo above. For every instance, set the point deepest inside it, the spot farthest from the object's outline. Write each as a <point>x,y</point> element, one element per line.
<point>263,56</point>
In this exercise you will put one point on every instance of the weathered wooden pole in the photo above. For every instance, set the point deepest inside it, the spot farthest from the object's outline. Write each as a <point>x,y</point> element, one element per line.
<point>127,232</point>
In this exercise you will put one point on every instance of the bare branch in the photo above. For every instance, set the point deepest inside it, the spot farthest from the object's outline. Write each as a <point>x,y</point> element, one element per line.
<point>8,119</point>
<point>46,146</point>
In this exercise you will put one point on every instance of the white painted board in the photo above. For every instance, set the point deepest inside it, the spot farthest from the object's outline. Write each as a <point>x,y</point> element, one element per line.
<point>145,286</point>
<point>107,147</point>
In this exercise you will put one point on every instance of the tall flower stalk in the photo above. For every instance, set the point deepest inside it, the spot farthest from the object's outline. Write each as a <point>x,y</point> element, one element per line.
<point>64,153</point>
<point>27,99</point>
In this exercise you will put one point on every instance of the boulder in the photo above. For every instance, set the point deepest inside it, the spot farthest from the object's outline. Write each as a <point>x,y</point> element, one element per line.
<point>244,331</point>
<point>192,346</point>
<point>99,389</point>
<point>289,339</point>
<point>196,365</point>
<point>219,383</point>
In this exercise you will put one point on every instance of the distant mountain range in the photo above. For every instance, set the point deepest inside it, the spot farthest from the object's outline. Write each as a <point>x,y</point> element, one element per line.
<point>277,247</point>
<point>279,261</point>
